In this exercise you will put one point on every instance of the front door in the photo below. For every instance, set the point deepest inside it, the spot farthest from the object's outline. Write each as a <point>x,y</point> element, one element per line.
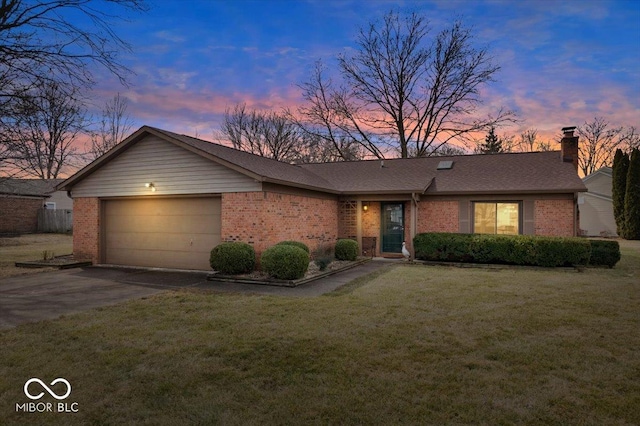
<point>392,224</point>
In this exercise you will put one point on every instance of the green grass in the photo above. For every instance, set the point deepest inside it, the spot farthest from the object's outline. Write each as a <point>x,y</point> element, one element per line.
<point>407,345</point>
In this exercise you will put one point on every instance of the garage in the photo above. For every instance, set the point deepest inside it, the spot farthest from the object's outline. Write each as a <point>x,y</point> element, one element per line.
<point>161,232</point>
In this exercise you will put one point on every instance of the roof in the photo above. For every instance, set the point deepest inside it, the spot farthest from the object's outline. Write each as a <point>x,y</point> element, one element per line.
<point>470,174</point>
<point>605,171</point>
<point>28,187</point>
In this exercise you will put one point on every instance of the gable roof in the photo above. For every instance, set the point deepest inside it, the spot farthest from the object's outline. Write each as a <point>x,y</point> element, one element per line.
<point>28,187</point>
<point>496,173</point>
<point>603,171</point>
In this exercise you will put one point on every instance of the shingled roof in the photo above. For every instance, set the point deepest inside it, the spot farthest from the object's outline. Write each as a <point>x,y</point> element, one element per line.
<point>28,187</point>
<point>541,172</point>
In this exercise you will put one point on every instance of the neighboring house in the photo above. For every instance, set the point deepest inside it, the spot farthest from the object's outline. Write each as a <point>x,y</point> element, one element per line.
<point>596,205</point>
<point>20,200</point>
<point>162,199</point>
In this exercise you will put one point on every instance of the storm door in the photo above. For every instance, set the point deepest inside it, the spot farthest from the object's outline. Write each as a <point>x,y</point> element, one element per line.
<point>392,227</point>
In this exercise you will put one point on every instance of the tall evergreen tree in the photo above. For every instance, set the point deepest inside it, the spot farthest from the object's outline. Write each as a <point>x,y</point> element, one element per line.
<point>492,144</point>
<point>632,198</point>
<point>619,176</point>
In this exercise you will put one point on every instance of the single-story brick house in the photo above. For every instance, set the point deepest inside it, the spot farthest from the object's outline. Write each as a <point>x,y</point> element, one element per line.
<point>162,199</point>
<point>20,200</point>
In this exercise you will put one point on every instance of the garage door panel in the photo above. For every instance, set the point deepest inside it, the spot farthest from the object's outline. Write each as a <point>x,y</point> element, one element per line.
<point>149,258</point>
<point>162,206</point>
<point>174,242</point>
<point>170,233</point>
<point>201,224</point>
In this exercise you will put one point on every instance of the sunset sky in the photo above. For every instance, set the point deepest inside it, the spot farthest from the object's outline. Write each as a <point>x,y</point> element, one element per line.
<point>562,62</point>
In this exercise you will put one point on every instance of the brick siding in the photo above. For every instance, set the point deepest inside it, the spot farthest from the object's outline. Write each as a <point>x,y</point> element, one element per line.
<point>438,216</point>
<point>86,229</point>
<point>19,215</point>
<point>553,218</point>
<point>263,219</point>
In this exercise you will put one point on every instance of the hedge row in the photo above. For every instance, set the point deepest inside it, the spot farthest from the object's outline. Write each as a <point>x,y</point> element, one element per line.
<point>515,249</point>
<point>604,253</point>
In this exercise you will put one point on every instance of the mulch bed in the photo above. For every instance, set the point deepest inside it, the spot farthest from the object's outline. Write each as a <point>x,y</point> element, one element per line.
<point>313,273</point>
<point>60,262</point>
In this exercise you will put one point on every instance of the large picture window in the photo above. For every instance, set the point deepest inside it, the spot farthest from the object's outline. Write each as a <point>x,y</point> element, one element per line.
<point>496,218</point>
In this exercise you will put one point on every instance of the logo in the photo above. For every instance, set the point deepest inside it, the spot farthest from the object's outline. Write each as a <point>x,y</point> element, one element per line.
<point>57,391</point>
<point>47,388</point>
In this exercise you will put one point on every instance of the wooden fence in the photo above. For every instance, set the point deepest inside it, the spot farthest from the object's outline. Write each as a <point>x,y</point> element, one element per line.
<point>58,221</point>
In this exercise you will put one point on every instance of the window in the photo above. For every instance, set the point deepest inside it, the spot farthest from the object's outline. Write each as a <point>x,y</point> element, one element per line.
<point>49,205</point>
<point>496,218</point>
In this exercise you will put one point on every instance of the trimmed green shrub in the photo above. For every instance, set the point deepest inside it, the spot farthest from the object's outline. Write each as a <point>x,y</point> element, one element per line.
<point>299,244</point>
<point>346,249</point>
<point>285,262</point>
<point>233,258</point>
<point>604,253</point>
<point>504,249</point>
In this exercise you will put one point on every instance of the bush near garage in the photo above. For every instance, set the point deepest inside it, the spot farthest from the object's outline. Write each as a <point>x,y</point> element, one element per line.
<point>604,253</point>
<point>299,244</point>
<point>346,249</point>
<point>502,249</point>
<point>233,258</point>
<point>285,262</point>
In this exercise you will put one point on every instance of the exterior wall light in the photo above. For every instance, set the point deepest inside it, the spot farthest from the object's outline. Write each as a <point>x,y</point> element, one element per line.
<point>151,186</point>
<point>365,207</point>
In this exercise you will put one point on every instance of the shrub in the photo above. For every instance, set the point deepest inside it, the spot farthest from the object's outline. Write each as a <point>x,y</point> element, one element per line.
<point>346,249</point>
<point>604,253</point>
<point>299,244</point>
<point>285,262</point>
<point>233,258</point>
<point>506,249</point>
<point>323,262</point>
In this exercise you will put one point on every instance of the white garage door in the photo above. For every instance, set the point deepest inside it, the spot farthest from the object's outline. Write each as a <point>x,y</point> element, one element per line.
<point>161,232</point>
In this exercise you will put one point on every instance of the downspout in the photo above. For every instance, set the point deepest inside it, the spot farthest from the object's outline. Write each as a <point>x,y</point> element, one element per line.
<point>359,224</point>
<point>414,219</point>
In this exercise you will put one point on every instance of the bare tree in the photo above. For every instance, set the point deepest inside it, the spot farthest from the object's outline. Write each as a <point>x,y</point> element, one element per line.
<point>266,134</point>
<point>629,139</point>
<point>399,91</point>
<point>327,118</point>
<point>41,42</point>
<point>115,125</point>
<point>598,142</point>
<point>528,142</point>
<point>41,135</point>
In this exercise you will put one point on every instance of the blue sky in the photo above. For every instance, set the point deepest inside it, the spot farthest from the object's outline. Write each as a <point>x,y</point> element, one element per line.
<point>562,62</point>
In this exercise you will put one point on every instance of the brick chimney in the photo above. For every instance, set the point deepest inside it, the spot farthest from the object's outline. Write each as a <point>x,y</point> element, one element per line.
<point>569,147</point>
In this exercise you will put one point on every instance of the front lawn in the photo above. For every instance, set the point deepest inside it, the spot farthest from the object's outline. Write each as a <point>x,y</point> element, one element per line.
<point>30,247</point>
<point>408,345</point>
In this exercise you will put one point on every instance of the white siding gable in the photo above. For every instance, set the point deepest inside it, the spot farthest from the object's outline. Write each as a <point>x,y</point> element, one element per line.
<point>600,183</point>
<point>173,171</point>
